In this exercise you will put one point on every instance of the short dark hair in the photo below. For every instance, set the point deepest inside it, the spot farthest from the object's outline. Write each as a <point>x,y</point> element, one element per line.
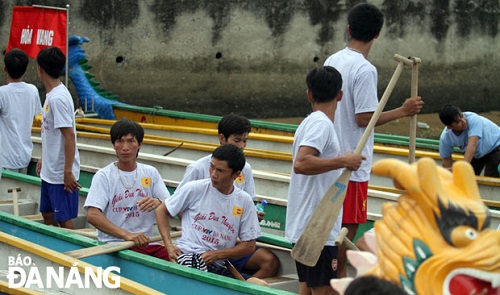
<point>232,154</point>
<point>16,62</point>
<point>372,285</point>
<point>52,60</point>
<point>449,114</point>
<point>125,126</point>
<point>233,124</point>
<point>324,83</point>
<point>365,21</point>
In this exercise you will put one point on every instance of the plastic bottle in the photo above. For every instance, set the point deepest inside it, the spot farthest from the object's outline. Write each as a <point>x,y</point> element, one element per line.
<point>260,206</point>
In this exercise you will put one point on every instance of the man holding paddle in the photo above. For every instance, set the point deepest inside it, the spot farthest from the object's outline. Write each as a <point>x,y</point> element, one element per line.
<point>317,164</point>
<point>358,106</point>
<point>123,195</point>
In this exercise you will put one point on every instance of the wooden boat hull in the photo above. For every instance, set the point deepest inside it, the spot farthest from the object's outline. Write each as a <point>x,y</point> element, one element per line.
<point>31,190</point>
<point>263,160</point>
<point>32,262</point>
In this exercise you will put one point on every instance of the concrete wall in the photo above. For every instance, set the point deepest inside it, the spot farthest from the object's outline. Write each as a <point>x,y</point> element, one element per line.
<point>252,56</point>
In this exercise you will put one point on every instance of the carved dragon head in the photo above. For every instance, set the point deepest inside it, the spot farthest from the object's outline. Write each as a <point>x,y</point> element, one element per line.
<point>436,238</point>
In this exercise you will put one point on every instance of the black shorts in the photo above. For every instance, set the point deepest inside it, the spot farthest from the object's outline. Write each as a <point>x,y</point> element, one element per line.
<point>223,271</point>
<point>324,270</point>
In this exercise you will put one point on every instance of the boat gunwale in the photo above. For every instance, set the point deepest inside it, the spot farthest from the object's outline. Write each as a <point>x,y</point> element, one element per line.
<point>149,261</point>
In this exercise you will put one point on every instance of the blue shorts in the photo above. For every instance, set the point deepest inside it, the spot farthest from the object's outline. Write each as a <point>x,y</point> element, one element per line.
<point>239,263</point>
<point>54,199</point>
<point>324,270</point>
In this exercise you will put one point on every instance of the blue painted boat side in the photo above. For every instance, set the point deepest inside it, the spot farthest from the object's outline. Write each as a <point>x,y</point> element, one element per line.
<point>158,274</point>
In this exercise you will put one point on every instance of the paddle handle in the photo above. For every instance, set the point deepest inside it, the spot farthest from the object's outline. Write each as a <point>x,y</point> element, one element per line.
<point>413,119</point>
<point>383,101</point>
<point>314,236</point>
<point>233,270</point>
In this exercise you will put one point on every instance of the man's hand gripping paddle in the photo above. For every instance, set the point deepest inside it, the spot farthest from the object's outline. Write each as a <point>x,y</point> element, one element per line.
<point>308,248</point>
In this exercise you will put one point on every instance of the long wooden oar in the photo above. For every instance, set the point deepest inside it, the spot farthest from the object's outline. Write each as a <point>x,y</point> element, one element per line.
<point>110,247</point>
<point>413,120</point>
<point>233,270</point>
<point>312,240</point>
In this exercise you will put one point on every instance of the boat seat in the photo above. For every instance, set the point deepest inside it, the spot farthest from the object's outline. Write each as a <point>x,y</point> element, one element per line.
<point>287,282</point>
<point>80,222</point>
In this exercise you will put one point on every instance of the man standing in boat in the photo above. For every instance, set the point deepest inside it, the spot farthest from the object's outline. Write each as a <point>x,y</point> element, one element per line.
<point>59,166</point>
<point>215,213</point>
<point>124,194</point>
<point>476,136</point>
<point>317,164</point>
<point>19,104</point>
<point>234,129</point>
<point>357,107</point>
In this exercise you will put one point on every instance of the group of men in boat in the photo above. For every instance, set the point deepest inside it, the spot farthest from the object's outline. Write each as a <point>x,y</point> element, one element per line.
<point>214,200</point>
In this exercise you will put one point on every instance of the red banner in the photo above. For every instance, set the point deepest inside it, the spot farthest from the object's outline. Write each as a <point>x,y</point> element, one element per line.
<point>34,29</point>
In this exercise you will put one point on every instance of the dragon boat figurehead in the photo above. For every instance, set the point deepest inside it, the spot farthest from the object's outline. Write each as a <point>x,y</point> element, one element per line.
<point>436,239</point>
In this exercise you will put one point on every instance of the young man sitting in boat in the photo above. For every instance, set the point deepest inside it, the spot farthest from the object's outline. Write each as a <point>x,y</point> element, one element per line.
<point>123,195</point>
<point>234,129</point>
<point>215,213</point>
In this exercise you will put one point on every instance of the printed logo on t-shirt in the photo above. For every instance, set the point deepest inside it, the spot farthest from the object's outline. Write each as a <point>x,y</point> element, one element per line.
<point>146,181</point>
<point>240,179</point>
<point>334,264</point>
<point>46,107</point>
<point>237,211</point>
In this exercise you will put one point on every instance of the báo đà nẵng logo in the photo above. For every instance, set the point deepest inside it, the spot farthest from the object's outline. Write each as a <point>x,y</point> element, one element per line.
<point>23,272</point>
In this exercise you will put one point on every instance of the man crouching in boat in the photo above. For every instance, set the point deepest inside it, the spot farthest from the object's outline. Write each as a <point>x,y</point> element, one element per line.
<point>124,194</point>
<point>215,214</point>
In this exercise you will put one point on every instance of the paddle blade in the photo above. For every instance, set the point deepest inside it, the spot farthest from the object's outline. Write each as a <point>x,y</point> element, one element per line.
<point>312,240</point>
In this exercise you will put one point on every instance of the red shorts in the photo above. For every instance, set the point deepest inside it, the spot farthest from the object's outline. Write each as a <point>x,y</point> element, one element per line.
<point>355,203</point>
<point>155,250</point>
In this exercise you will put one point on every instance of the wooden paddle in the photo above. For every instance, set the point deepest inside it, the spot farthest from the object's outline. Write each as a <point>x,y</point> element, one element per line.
<point>173,150</point>
<point>233,270</point>
<point>413,120</point>
<point>111,247</point>
<point>312,240</point>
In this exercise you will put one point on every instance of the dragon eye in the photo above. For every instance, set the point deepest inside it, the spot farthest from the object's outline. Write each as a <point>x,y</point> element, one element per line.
<point>471,234</point>
<point>462,236</point>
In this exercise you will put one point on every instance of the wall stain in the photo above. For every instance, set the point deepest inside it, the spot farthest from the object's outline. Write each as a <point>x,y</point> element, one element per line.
<point>111,15</point>
<point>481,14</point>
<point>277,13</point>
<point>399,14</point>
<point>3,14</point>
<point>324,13</point>
<point>439,14</point>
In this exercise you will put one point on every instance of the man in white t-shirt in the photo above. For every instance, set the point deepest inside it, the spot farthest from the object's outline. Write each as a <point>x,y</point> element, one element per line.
<point>215,213</point>
<point>317,163</point>
<point>234,129</point>
<point>19,104</point>
<point>357,107</point>
<point>124,194</point>
<point>61,161</point>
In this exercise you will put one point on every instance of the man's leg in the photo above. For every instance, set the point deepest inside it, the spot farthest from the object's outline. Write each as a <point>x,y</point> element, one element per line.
<point>48,218</point>
<point>316,280</point>
<point>354,214</point>
<point>264,262</point>
<point>67,224</point>
<point>492,163</point>
<point>353,229</point>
